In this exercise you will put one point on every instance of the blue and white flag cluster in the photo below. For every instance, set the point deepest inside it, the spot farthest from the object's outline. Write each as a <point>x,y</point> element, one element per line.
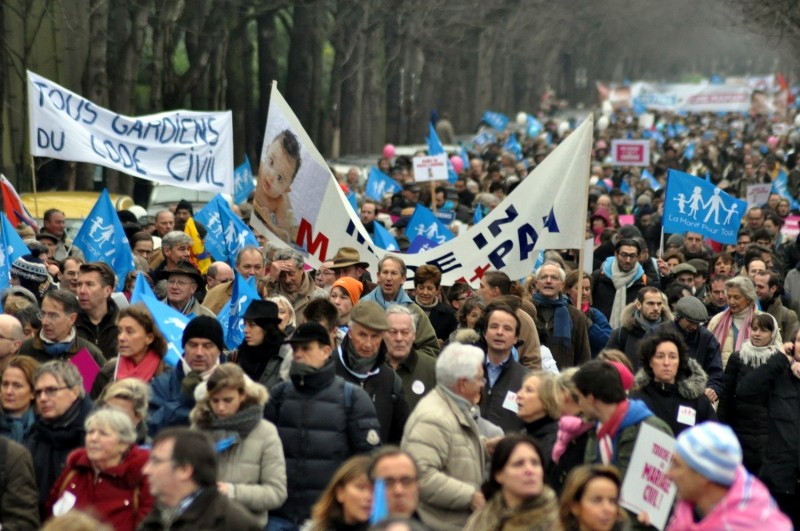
<point>243,184</point>
<point>231,317</point>
<point>11,248</point>
<point>227,234</point>
<point>379,184</point>
<point>424,223</point>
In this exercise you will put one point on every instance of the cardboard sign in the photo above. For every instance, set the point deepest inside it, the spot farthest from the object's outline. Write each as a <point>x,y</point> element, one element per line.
<point>646,487</point>
<point>630,152</point>
<point>758,194</point>
<point>430,168</point>
<point>88,368</point>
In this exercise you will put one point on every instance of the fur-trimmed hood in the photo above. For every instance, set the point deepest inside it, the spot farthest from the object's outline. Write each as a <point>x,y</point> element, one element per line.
<point>689,387</point>
<point>628,322</point>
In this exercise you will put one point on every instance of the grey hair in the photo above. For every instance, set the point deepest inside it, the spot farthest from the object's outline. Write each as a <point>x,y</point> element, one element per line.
<point>457,361</point>
<point>289,254</point>
<point>176,237</point>
<point>63,372</point>
<point>132,389</point>
<point>561,272</point>
<point>398,309</point>
<point>245,250</point>
<point>743,284</point>
<point>280,300</point>
<point>114,419</point>
<point>395,259</point>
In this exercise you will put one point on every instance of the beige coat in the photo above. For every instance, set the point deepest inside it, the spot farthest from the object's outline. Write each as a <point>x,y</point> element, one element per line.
<point>445,443</point>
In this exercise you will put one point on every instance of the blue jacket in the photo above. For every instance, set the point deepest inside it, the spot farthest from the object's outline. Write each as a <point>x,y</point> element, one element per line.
<point>599,332</point>
<point>169,406</point>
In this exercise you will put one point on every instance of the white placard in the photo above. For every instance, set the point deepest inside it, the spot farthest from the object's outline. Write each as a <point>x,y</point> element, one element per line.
<point>758,194</point>
<point>430,168</point>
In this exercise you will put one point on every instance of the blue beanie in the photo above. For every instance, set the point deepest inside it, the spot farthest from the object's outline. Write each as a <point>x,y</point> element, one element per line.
<point>712,450</point>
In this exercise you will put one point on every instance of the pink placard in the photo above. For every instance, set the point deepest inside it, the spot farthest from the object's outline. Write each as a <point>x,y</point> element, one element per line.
<point>625,219</point>
<point>88,368</point>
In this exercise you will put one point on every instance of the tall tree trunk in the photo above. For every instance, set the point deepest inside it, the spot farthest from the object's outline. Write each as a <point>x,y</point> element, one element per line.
<point>303,90</point>
<point>267,73</point>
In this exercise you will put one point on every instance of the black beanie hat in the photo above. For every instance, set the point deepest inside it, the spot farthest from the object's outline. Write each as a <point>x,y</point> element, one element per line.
<point>206,328</point>
<point>183,204</point>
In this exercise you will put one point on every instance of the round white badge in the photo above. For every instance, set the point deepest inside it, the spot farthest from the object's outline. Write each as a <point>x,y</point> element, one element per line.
<point>418,387</point>
<point>373,438</point>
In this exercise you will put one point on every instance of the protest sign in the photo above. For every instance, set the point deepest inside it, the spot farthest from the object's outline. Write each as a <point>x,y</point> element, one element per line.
<point>626,219</point>
<point>630,152</point>
<point>541,213</point>
<point>88,368</point>
<point>646,487</point>
<point>183,148</point>
<point>758,194</point>
<point>430,168</point>
<point>791,227</point>
<point>693,204</point>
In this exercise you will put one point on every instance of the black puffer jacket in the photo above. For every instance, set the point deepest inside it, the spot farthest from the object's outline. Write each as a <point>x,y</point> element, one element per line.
<point>320,428</point>
<point>774,384</point>
<point>626,338</point>
<point>665,400</point>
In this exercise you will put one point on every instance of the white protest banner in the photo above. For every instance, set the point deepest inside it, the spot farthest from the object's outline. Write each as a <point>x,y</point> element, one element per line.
<point>182,148</point>
<point>691,97</point>
<point>430,168</point>
<point>630,152</point>
<point>646,487</point>
<point>758,194</point>
<point>312,214</point>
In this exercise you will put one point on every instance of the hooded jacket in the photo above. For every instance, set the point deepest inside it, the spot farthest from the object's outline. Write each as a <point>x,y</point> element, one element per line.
<point>669,401</point>
<point>626,338</point>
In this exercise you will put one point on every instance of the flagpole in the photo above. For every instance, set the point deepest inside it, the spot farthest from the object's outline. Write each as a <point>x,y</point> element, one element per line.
<point>584,208</point>
<point>433,196</point>
<point>35,194</point>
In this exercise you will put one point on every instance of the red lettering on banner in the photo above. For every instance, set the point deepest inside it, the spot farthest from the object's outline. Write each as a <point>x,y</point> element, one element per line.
<point>479,271</point>
<point>305,240</point>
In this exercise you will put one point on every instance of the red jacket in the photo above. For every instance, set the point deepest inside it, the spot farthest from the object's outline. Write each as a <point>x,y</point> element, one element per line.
<point>119,496</point>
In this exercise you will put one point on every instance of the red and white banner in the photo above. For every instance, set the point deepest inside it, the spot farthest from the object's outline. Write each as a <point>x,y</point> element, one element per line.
<point>630,152</point>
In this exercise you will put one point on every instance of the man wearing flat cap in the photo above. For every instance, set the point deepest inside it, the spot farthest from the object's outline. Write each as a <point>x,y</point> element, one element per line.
<point>347,263</point>
<point>287,277</point>
<point>361,359</point>
<point>182,283</point>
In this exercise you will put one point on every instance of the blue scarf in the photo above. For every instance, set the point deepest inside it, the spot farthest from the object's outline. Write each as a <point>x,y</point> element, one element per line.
<point>377,295</point>
<point>17,428</point>
<point>562,326</point>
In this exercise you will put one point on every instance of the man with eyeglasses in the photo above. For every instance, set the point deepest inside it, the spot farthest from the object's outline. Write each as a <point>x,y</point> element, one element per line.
<point>11,338</point>
<point>182,283</point>
<point>400,475</point>
<point>618,280</point>
<point>417,372</point>
<point>62,406</point>
<point>58,338</point>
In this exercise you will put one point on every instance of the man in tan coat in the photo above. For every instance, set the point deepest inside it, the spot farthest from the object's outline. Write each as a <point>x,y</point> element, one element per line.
<point>249,262</point>
<point>442,436</point>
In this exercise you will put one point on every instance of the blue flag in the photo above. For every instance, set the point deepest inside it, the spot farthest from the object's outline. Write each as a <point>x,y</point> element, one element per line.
<point>781,187</point>
<point>227,234</point>
<point>379,184</point>
<point>171,323</point>
<point>483,138</point>
<point>477,214</point>
<point>688,153</point>
<point>534,127</point>
<point>654,184</point>
<point>420,244</point>
<point>435,147</point>
<point>141,289</point>
<point>102,239</point>
<point>383,238</point>
<point>692,204</point>
<point>11,248</point>
<point>353,200</point>
<point>495,120</point>
<point>380,505</point>
<point>243,184</point>
<point>231,317</point>
<point>424,223</point>
<point>512,145</point>
<point>464,155</point>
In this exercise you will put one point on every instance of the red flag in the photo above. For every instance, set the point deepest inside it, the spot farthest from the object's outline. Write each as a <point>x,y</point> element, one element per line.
<point>15,210</point>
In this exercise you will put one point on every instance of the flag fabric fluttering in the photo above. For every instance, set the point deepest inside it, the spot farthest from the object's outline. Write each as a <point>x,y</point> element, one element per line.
<point>171,323</point>
<point>495,120</point>
<point>231,317</point>
<point>12,248</point>
<point>379,184</point>
<point>424,223</point>
<point>14,208</point>
<point>102,239</point>
<point>435,147</point>
<point>200,257</point>
<point>227,234</point>
<point>243,184</point>
<point>383,238</point>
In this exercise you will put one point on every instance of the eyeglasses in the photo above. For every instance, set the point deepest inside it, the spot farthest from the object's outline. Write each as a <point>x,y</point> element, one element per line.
<point>49,392</point>
<point>157,460</point>
<point>181,283</point>
<point>628,256</point>
<point>405,481</point>
<point>51,316</point>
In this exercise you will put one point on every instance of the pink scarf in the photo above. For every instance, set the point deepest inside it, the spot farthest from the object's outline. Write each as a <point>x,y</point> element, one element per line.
<point>569,428</point>
<point>726,323</point>
<point>145,370</point>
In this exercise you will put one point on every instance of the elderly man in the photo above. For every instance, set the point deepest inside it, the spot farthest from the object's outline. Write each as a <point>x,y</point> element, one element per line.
<point>62,407</point>
<point>714,490</point>
<point>173,391</point>
<point>175,248</point>
<point>391,276</point>
<point>182,473</point>
<point>182,283</point>
<point>418,373</point>
<point>165,223</point>
<point>618,280</point>
<point>249,263</point>
<point>400,475</point>
<point>562,327</point>
<point>361,360</point>
<point>287,277</point>
<point>58,338</point>
<point>443,438</point>
<point>97,320</point>
<point>218,273</point>
<point>11,338</point>
<point>55,223</point>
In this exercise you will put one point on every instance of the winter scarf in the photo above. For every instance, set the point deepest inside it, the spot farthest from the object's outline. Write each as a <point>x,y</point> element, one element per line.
<point>55,350</point>
<point>621,282</point>
<point>726,323</point>
<point>535,514</point>
<point>145,370</point>
<point>569,428</point>
<point>241,423</point>
<point>562,326</point>
<point>377,295</point>
<point>757,356</point>
<point>644,323</point>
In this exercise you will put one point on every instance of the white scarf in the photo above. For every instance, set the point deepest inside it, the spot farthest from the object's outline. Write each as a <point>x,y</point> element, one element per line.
<point>621,281</point>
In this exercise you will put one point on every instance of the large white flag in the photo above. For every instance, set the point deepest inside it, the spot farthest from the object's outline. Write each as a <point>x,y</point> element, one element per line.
<point>298,202</point>
<point>183,148</point>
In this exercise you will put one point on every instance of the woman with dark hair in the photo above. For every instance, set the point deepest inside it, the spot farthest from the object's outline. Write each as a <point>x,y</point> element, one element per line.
<point>599,329</point>
<point>427,281</point>
<point>671,383</point>
<point>590,501</point>
<point>471,312</point>
<point>141,350</point>
<point>723,265</point>
<point>516,495</point>
<point>748,418</point>
<point>346,502</point>
<point>262,352</point>
<point>16,386</point>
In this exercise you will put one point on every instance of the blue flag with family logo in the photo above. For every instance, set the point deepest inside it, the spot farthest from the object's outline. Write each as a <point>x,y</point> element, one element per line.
<point>435,147</point>
<point>421,244</point>
<point>496,120</point>
<point>781,187</point>
<point>424,223</point>
<point>227,234</point>
<point>12,248</point>
<point>243,184</point>
<point>102,239</point>
<point>231,317</point>
<point>383,238</point>
<point>380,184</point>
<point>693,204</point>
<point>171,323</point>
<point>141,289</point>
